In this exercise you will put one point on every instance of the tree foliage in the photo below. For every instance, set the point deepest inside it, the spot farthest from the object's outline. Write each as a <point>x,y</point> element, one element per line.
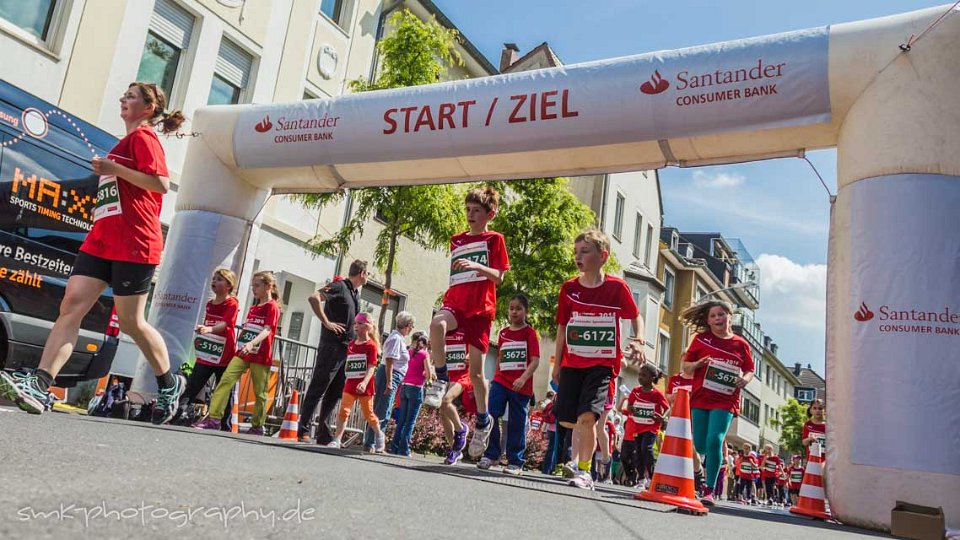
<point>415,52</point>
<point>793,415</point>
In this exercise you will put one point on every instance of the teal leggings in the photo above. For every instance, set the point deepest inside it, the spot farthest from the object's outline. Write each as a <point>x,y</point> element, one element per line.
<point>709,428</point>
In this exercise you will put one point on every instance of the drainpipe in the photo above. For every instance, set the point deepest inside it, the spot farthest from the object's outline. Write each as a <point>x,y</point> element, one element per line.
<point>603,200</point>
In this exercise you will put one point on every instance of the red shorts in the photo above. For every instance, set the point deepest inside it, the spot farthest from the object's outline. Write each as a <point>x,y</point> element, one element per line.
<point>467,399</point>
<point>476,329</point>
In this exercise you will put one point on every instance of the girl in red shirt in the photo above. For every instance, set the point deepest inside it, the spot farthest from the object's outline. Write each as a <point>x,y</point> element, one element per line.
<point>121,252</point>
<point>361,364</point>
<point>769,469</point>
<point>645,409</point>
<point>254,353</point>
<point>721,363</point>
<point>796,477</point>
<point>815,428</point>
<point>216,340</point>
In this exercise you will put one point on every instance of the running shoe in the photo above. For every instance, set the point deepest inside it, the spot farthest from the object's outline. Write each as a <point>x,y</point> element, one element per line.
<point>480,440</point>
<point>707,498</point>
<point>255,430</point>
<point>513,470</point>
<point>569,469</point>
<point>485,463</point>
<point>380,444</point>
<point>208,423</point>
<point>23,389</point>
<point>168,399</point>
<point>333,444</point>
<point>453,457</point>
<point>582,480</point>
<point>433,396</point>
<point>460,438</point>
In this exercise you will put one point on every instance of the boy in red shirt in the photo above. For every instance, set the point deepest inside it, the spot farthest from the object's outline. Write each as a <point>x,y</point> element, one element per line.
<point>478,262</point>
<point>745,473</point>
<point>645,409</point>
<point>460,387</point>
<point>589,312</point>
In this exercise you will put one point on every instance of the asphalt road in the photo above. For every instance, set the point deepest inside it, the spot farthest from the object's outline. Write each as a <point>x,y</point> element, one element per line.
<point>63,474</point>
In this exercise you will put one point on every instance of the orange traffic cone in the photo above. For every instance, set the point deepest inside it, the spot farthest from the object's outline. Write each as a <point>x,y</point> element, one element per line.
<point>235,410</point>
<point>812,500</point>
<point>291,420</point>
<point>672,481</point>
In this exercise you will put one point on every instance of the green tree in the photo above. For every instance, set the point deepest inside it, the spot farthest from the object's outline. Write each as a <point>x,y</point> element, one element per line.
<point>415,52</point>
<point>793,415</point>
<point>539,218</point>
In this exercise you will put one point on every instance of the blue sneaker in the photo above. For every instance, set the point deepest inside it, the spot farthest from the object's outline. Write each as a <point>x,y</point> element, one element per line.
<point>168,400</point>
<point>453,457</point>
<point>460,438</point>
<point>23,389</point>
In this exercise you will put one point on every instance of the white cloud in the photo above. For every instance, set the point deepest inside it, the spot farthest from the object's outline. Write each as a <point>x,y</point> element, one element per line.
<point>717,180</point>
<point>793,308</point>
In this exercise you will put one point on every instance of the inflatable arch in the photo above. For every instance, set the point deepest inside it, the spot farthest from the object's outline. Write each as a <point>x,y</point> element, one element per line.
<point>893,306</point>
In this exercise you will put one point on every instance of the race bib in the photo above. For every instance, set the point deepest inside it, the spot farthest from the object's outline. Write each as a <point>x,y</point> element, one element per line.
<point>796,477</point>
<point>643,412</point>
<point>456,357</point>
<point>209,347</point>
<point>770,466</point>
<point>108,198</point>
<point>592,336</point>
<point>721,377</point>
<point>356,366</point>
<point>822,439</point>
<point>513,356</point>
<point>746,467</point>
<point>535,424</point>
<point>477,252</point>
<point>247,333</point>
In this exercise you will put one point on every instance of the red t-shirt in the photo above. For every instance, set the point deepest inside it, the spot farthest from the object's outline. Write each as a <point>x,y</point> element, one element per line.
<point>126,218</point>
<point>470,293</point>
<point>714,384</point>
<point>457,361</point>
<point>516,349</point>
<point>592,319</point>
<point>796,477</point>
<point>768,469</point>
<point>818,431</point>
<point>746,466</point>
<point>678,381</point>
<point>224,312</point>
<point>259,317</point>
<point>783,476</point>
<point>360,357</point>
<point>641,406</point>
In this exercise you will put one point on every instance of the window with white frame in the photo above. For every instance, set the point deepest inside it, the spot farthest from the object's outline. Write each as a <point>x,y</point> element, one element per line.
<point>669,279</point>
<point>701,292</point>
<point>165,50</point>
<point>663,352</point>
<point>649,249</point>
<point>637,235</point>
<point>231,76</point>
<point>618,217</point>
<point>36,21</point>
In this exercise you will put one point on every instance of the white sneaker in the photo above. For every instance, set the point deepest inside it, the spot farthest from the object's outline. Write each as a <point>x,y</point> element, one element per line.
<point>333,444</point>
<point>433,396</point>
<point>582,480</point>
<point>380,444</point>
<point>513,470</point>
<point>480,440</point>
<point>485,463</point>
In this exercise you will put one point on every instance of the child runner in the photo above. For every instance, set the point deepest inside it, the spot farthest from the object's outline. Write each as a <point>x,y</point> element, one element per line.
<point>121,251</point>
<point>362,355</point>
<point>645,409</point>
<point>783,476</point>
<point>254,353</point>
<point>769,470</point>
<point>745,472</point>
<point>216,340</point>
<point>589,311</point>
<point>411,394</point>
<point>478,262</point>
<point>721,364</point>
<point>518,358</point>
<point>460,389</point>
<point>815,428</point>
<point>796,477</point>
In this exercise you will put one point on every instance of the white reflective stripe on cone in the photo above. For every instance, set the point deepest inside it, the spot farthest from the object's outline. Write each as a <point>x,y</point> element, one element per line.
<point>679,428</point>
<point>288,424</point>
<point>815,468</point>
<point>812,492</point>
<point>293,409</point>
<point>681,467</point>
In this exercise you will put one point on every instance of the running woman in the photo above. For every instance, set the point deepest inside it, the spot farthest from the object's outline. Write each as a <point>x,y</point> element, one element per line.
<point>254,353</point>
<point>362,355</point>
<point>478,262</point>
<point>517,360</point>
<point>589,312</point>
<point>121,251</point>
<point>645,409</point>
<point>216,340</point>
<point>721,364</point>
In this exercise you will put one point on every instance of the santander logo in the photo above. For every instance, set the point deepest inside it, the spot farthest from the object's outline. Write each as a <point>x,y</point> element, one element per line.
<point>655,85</point>
<point>264,125</point>
<point>863,314</point>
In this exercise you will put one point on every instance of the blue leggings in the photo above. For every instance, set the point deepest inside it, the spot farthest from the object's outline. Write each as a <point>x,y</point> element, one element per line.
<point>709,428</point>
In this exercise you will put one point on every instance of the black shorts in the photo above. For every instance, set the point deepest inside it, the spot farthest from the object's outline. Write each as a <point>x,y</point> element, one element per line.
<point>125,278</point>
<point>582,390</point>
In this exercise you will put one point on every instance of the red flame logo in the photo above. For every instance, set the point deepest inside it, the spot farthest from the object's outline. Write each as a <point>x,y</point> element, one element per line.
<point>264,125</point>
<point>655,85</point>
<point>863,314</point>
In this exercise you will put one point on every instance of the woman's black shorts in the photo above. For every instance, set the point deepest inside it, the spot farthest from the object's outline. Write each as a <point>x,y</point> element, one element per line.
<point>125,278</point>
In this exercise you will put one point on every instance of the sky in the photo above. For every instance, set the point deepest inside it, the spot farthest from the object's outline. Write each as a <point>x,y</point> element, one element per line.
<point>778,208</point>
